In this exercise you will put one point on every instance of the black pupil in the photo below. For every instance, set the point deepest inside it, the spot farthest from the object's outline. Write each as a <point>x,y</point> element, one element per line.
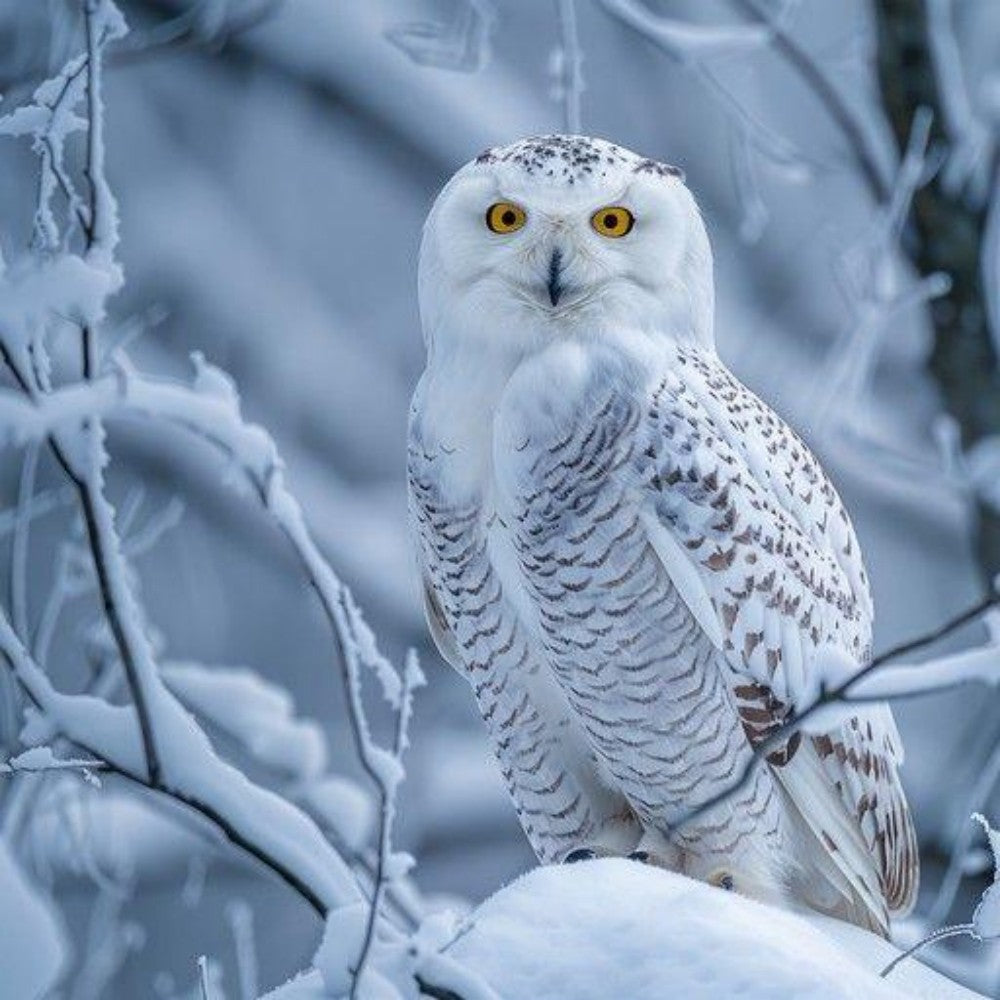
<point>509,217</point>
<point>611,221</point>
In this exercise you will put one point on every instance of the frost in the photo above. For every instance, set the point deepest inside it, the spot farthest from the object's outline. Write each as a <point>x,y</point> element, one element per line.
<point>41,758</point>
<point>399,865</point>
<point>209,380</point>
<point>986,918</point>
<point>337,956</point>
<point>257,713</point>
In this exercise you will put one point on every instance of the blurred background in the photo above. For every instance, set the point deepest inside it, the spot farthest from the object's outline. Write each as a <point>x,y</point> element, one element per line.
<point>273,163</point>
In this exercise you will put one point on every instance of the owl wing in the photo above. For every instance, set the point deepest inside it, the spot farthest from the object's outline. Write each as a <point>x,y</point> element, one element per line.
<point>759,545</point>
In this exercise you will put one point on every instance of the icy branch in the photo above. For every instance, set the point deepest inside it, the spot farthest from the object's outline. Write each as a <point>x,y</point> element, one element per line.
<point>40,759</point>
<point>387,771</point>
<point>267,826</point>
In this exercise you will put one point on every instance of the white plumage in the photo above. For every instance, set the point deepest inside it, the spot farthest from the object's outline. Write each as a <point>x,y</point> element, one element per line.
<point>630,557</point>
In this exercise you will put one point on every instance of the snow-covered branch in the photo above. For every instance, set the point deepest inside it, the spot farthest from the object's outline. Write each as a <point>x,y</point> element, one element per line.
<point>154,740</point>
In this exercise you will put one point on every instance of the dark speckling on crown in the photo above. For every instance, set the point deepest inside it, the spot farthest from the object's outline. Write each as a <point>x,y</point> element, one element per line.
<point>572,158</point>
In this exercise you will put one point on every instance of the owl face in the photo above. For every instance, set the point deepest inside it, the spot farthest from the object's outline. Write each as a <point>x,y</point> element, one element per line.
<point>561,236</point>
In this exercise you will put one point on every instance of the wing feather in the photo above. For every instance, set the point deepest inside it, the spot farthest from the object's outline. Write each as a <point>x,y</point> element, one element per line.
<point>769,547</point>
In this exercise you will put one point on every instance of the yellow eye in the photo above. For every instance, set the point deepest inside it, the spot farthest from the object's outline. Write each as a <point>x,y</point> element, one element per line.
<point>613,221</point>
<point>505,217</point>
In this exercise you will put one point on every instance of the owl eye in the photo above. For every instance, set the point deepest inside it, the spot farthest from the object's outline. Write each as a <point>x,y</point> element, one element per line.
<point>505,217</point>
<point>613,221</point>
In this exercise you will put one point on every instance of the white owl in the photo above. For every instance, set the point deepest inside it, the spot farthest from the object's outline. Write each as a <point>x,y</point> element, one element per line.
<point>631,559</point>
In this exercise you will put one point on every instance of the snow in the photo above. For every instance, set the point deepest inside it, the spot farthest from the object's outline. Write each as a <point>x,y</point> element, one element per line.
<point>979,665</point>
<point>345,807</point>
<point>32,948</point>
<point>257,713</point>
<point>617,928</point>
<point>986,918</point>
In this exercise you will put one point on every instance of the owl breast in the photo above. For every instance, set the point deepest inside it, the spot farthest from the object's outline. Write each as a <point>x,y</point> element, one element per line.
<point>645,682</point>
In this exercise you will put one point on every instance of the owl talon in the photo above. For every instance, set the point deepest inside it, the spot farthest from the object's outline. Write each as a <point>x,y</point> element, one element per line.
<point>641,856</point>
<point>580,854</point>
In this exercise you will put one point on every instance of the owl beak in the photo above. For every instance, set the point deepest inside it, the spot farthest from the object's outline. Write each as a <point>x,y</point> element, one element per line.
<point>554,284</point>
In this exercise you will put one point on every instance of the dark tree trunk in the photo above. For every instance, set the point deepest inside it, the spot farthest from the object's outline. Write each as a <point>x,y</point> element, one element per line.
<point>946,236</point>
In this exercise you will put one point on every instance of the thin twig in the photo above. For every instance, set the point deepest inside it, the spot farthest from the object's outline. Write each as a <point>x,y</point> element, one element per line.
<point>829,696</point>
<point>988,776</point>
<point>119,605</point>
<point>387,787</point>
<point>38,691</point>
<point>955,930</point>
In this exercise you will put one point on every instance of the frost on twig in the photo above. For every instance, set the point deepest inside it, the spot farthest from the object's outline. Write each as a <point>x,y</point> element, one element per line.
<point>985,923</point>
<point>41,759</point>
<point>386,768</point>
<point>986,917</point>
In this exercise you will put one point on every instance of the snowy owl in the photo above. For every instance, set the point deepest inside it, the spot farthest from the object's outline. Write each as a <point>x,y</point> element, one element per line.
<point>632,560</point>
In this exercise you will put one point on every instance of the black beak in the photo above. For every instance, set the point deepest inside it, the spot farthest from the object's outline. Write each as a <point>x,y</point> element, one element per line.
<point>555,286</point>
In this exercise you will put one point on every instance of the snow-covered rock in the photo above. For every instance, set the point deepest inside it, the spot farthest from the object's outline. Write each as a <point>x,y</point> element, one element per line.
<point>614,928</point>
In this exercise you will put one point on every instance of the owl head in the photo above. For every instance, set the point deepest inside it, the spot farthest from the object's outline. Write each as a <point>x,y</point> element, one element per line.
<point>558,236</point>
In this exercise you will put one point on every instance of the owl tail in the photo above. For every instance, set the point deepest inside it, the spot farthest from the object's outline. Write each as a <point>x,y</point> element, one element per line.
<point>835,873</point>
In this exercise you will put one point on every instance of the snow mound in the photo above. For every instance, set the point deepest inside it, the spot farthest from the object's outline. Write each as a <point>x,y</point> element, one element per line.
<point>615,928</point>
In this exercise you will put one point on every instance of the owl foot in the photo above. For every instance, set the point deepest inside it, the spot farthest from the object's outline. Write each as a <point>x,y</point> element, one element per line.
<point>580,854</point>
<point>722,880</point>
